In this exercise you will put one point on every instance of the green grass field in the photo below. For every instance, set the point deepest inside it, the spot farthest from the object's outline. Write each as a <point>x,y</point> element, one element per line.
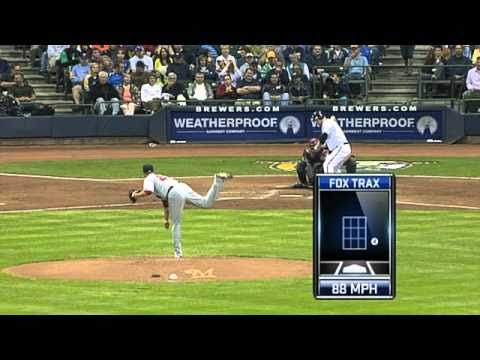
<point>131,168</point>
<point>437,251</point>
<point>437,266</point>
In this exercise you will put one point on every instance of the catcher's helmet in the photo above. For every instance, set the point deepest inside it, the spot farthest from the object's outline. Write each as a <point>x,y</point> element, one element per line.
<point>312,142</point>
<point>147,169</point>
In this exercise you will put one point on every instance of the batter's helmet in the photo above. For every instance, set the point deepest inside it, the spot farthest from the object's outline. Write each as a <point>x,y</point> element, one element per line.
<point>317,114</point>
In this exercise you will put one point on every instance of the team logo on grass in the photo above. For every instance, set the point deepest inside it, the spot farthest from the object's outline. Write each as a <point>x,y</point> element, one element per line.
<point>362,165</point>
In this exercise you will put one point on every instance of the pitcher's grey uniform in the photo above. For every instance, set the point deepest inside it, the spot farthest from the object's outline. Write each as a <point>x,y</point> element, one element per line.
<point>176,194</point>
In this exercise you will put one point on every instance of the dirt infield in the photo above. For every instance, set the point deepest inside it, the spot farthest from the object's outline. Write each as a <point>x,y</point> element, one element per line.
<point>158,269</point>
<point>248,192</point>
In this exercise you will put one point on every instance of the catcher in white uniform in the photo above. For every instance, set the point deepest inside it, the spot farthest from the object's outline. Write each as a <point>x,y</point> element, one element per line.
<point>334,139</point>
<point>174,194</point>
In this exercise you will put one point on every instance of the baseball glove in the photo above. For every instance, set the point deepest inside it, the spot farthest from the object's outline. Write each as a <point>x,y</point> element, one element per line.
<point>131,197</point>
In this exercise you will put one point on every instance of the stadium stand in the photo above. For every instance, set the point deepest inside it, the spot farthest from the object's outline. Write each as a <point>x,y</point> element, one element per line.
<point>324,71</point>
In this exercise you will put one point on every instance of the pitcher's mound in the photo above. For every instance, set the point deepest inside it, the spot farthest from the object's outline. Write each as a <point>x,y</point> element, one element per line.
<point>157,269</point>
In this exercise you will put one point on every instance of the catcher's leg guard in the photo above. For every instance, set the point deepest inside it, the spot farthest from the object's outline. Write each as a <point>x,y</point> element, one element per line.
<point>302,172</point>
<point>351,165</point>
<point>318,168</point>
<point>310,174</point>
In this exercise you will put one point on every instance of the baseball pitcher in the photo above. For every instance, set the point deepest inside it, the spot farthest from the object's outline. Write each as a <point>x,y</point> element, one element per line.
<point>173,195</point>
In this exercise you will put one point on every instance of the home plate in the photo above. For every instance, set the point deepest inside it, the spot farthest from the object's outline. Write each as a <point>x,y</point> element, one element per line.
<point>291,196</point>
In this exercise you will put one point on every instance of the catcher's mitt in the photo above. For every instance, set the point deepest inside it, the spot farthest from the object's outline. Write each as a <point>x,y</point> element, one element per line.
<point>131,197</point>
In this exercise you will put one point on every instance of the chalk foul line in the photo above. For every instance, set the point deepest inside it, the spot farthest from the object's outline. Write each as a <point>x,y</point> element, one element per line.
<point>210,176</point>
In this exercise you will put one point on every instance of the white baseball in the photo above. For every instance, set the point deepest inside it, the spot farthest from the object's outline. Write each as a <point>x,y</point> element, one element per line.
<point>172,276</point>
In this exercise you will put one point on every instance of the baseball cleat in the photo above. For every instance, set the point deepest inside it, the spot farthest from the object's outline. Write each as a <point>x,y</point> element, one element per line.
<point>178,257</point>
<point>299,186</point>
<point>224,175</point>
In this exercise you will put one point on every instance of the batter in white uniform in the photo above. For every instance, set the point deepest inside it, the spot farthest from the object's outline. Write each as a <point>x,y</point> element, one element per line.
<point>174,194</point>
<point>335,140</point>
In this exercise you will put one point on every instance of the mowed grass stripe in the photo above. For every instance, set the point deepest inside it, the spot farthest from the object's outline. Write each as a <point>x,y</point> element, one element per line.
<point>435,274</point>
<point>206,166</point>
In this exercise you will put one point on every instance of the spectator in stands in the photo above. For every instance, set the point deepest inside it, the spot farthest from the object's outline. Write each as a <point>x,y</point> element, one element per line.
<point>180,68</point>
<point>356,66</point>
<point>207,70</point>
<point>53,54</point>
<point>274,92</point>
<point>151,94</point>
<point>77,76</point>
<point>120,58</point>
<point>476,53</point>
<point>255,67</point>
<point>140,76</point>
<point>102,48</point>
<point>407,55</point>
<point>116,76</point>
<point>105,96</point>
<point>297,70</point>
<point>269,64</point>
<point>457,68</point>
<point>187,52</point>
<point>376,56</point>
<point>85,49</point>
<point>107,65</point>
<point>232,70</point>
<point>173,91</point>
<point>336,57</point>
<point>249,63</point>
<point>292,49</point>
<point>298,90</point>
<point>473,78</point>
<point>149,50</point>
<point>92,78</point>
<point>473,88</point>
<point>10,80</point>
<point>248,88</point>
<point>97,57</point>
<point>140,56</point>
<point>226,90</point>
<point>435,69</point>
<point>242,52</point>
<point>129,94</point>
<point>337,88</point>
<point>212,51</point>
<point>161,60</point>
<point>24,94</point>
<point>365,52</point>
<point>36,52</point>
<point>4,70</point>
<point>295,60</point>
<point>467,51</point>
<point>317,63</point>
<point>199,89</point>
<point>225,57</point>
<point>280,71</point>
